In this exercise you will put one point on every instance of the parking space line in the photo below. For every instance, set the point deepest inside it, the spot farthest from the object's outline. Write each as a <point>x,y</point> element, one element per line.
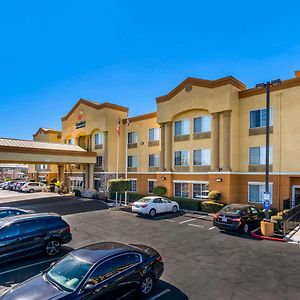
<point>211,228</point>
<point>172,221</point>
<point>27,266</point>
<point>196,225</point>
<point>160,294</point>
<point>186,221</point>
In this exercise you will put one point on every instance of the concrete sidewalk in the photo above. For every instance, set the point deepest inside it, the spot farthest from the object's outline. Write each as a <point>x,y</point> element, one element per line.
<point>293,236</point>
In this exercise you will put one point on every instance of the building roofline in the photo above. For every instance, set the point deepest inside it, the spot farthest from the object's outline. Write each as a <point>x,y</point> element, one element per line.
<point>285,84</point>
<point>94,105</point>
<point>141,117</point>
<point>47,131</point>
<point>201,83</point>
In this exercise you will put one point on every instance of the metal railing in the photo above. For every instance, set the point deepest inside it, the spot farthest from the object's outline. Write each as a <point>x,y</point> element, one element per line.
<point>291,219</point>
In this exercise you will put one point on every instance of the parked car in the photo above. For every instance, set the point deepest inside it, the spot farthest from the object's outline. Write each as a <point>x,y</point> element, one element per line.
<point>238,217</point>
<point>12,211</point>
<point>19,185</point>
<point>5,185</point>
<point>100,271</point>
<point>153,205</point>
<point>32,187</point>
<point>28,234</point>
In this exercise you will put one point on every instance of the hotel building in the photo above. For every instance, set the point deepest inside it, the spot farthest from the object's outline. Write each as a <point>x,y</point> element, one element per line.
<point>205,135</point>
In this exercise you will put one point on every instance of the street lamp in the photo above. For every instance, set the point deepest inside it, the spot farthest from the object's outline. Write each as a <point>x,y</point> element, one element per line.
<point>266,85</point>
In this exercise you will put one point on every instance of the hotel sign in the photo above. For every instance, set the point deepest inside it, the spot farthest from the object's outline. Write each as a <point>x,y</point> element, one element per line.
<point>81,122</point>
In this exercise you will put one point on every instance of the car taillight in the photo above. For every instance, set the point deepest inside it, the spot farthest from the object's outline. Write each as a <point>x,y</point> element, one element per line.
<point>159,258</point>
<point>68,229</point>
<point>144,205</point>
<point>236,220</point>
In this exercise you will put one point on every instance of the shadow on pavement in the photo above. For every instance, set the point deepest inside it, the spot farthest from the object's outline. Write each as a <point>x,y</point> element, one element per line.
<point>238,235</point>
<point>162,216</point>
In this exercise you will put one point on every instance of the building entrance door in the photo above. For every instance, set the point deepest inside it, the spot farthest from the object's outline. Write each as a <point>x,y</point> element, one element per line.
<point>295,195</point>
<point>76,183</point>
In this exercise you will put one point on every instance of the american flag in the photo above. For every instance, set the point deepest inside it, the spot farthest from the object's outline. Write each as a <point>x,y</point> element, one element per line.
<point>119,126</point>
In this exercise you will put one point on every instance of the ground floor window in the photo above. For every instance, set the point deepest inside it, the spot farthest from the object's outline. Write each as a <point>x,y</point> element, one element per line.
<point>256,192</point>
<point>99,185</point>
<point>76,183</point>
<point>132,185</point>
<point>151,185</point>
<point>200,190</point>
<point>181,189</point>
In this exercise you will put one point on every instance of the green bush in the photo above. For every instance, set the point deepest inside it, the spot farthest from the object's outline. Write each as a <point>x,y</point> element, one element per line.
<point>214,195</point>
<point>212,206</point>
<point>159,190</point>
<point>186,203</point>
<point>117,185</point>
<point>77,193</point>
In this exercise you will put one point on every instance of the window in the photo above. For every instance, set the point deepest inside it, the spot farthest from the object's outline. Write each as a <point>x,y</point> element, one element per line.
<point>202,124</point>
<point>132,137</point>
<point>132,161</point>
<point>182,127</point>
<point>153,134</point>
<point>181,189</point>
<point>99,138</point>
<point>257,155</point>
<point>10,231</point>
<point>71,141</point>
<point>256,192</point>
<point>153,160</point>
<point>103,272</point>
<point>124,262</point>
<point>202,157</point>
<point>99,161</point>
<point>200,190</point>
<point>99,185</point>
<point>151,186</point>
<point>132,185</point>
<point>258,118</point>
<point>182,158</point>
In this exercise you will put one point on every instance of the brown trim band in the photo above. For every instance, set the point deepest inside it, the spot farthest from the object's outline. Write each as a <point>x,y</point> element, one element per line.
<point>141,117</point>
<point>95,106</point>
<point>202,83</point>
<point>26,150</point>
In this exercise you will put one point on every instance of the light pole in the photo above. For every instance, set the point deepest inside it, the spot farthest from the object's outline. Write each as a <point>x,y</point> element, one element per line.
<point>267,85</point>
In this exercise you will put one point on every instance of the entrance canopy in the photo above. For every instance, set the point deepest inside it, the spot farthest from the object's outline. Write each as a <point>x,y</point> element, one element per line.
<point>33,152</point>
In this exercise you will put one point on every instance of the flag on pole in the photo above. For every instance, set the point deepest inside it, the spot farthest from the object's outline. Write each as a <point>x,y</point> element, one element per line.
<point>119,126</point>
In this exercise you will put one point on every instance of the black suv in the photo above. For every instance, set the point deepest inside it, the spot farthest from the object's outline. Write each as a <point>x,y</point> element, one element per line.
<point>30,234</point>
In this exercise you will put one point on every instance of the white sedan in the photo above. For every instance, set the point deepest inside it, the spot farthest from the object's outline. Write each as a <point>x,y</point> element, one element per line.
<point>153,205</point>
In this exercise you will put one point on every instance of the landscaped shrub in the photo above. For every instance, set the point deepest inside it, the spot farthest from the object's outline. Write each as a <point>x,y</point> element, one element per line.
<point>277,221</point>
<point>117,185</point>
<point>212,206</point>
<point>159,190</point>
<point>214,195</point>
<point>77,193</point>
<point>189,204</point>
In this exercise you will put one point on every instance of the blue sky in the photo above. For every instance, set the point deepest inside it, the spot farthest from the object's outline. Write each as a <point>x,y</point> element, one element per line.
<point>129,52</point>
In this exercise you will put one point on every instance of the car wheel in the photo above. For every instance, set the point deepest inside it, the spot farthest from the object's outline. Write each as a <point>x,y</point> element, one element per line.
<point>244,228</point>
<point>152,213</point>
<point>146,285</point>
<point>52,247</point>
<point>175,209</point>
<point>31,190</point>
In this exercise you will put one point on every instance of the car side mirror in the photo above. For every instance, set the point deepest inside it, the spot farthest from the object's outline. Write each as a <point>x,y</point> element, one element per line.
<point>89,288</point>
<point>52,264</point>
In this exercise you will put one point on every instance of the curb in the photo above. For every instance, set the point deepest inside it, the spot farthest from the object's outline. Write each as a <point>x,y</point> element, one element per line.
<point>262,237</point>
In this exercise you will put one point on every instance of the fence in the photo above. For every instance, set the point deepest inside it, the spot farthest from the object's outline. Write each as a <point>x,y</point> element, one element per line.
<point>291,219</point>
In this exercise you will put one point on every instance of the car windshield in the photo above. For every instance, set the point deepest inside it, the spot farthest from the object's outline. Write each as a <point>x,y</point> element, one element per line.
<point>232,210</point>
<point>144,200</point>
<point>68,273</point>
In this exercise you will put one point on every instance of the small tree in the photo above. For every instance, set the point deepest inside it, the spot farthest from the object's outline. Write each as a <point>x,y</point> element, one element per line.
<point>159,190</point>
<point>118,185</point>
<point>214,195</point>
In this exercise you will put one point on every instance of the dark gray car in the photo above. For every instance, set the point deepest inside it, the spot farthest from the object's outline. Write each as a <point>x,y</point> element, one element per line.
<point>29,234</point>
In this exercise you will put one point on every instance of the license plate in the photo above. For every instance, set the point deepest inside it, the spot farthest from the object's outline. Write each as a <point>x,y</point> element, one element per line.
<point>224,219</point>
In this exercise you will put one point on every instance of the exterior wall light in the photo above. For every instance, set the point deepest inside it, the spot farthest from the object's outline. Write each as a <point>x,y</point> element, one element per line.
<point>219,179</point>
<point>163,178</point>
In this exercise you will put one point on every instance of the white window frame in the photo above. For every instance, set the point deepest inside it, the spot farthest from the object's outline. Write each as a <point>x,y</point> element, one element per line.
<point>198,182</point>
<point>70,141</point>
<point>156,159</point>
<point>100,137</point>
<point>208,117</point>
<point>155,134</point>
<point>259,183</point>
<point>182,133</point>
<point>97,161</point>
<point>181,182</point>
<point>260,109</point>
<point>262,158</point>
<point>151,180</point>
<point>135,139</point>
<point>133,180</point>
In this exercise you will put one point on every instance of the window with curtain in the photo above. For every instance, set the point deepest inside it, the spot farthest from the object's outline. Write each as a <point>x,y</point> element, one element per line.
<point>202,157</point>
<point>258,118</point>
<point>257,155</point>
<point>132,161</point>
<point>182,127</point>
<point>181,189</point>
<point>153,134</point>
<point>181,158</point>
<point>99,138</point>
<point>132,137</point>
<point>153,160</point>
<point>202,124</point>
<point>256,192</point>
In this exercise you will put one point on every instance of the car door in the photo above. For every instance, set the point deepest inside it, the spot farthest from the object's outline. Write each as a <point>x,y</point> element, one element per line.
<point>9,240</point>
<point>159,205</point>
<point>168,204</point>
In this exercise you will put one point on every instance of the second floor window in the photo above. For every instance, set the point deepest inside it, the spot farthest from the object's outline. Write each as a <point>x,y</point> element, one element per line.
<point>202,157</point>
<point>257,155</point>
<point>153,134</point>
<point>99,161</point>
<point>132,161</point>
<point>258,118</point>
<point>202,124</point>
<point>132,137</point>
<point>153,160</point>
<point>182,158</point>
<point>182,127</point>
<point>98,139</point>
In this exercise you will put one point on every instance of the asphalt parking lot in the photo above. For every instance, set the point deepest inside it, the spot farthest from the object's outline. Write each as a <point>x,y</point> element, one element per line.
<point>200,261</point>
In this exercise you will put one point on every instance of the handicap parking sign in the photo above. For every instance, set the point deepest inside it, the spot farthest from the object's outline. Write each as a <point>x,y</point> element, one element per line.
<point>267,205</point>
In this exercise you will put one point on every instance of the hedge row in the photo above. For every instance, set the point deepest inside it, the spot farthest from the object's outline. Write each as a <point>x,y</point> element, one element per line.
<point>212,206</point>
<point>185,203</point>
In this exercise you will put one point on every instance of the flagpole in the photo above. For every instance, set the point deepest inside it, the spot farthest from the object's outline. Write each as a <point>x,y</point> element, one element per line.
<point>118,146</point>
<point>126,156</point>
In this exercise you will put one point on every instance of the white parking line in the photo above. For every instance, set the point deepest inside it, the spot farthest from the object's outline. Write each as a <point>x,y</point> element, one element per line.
<point>211,228</point>
<point>160,294</point>
<point>27,266</point>
<point>186,221</point>
<point>195,225</point>
<point>172,221</point>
